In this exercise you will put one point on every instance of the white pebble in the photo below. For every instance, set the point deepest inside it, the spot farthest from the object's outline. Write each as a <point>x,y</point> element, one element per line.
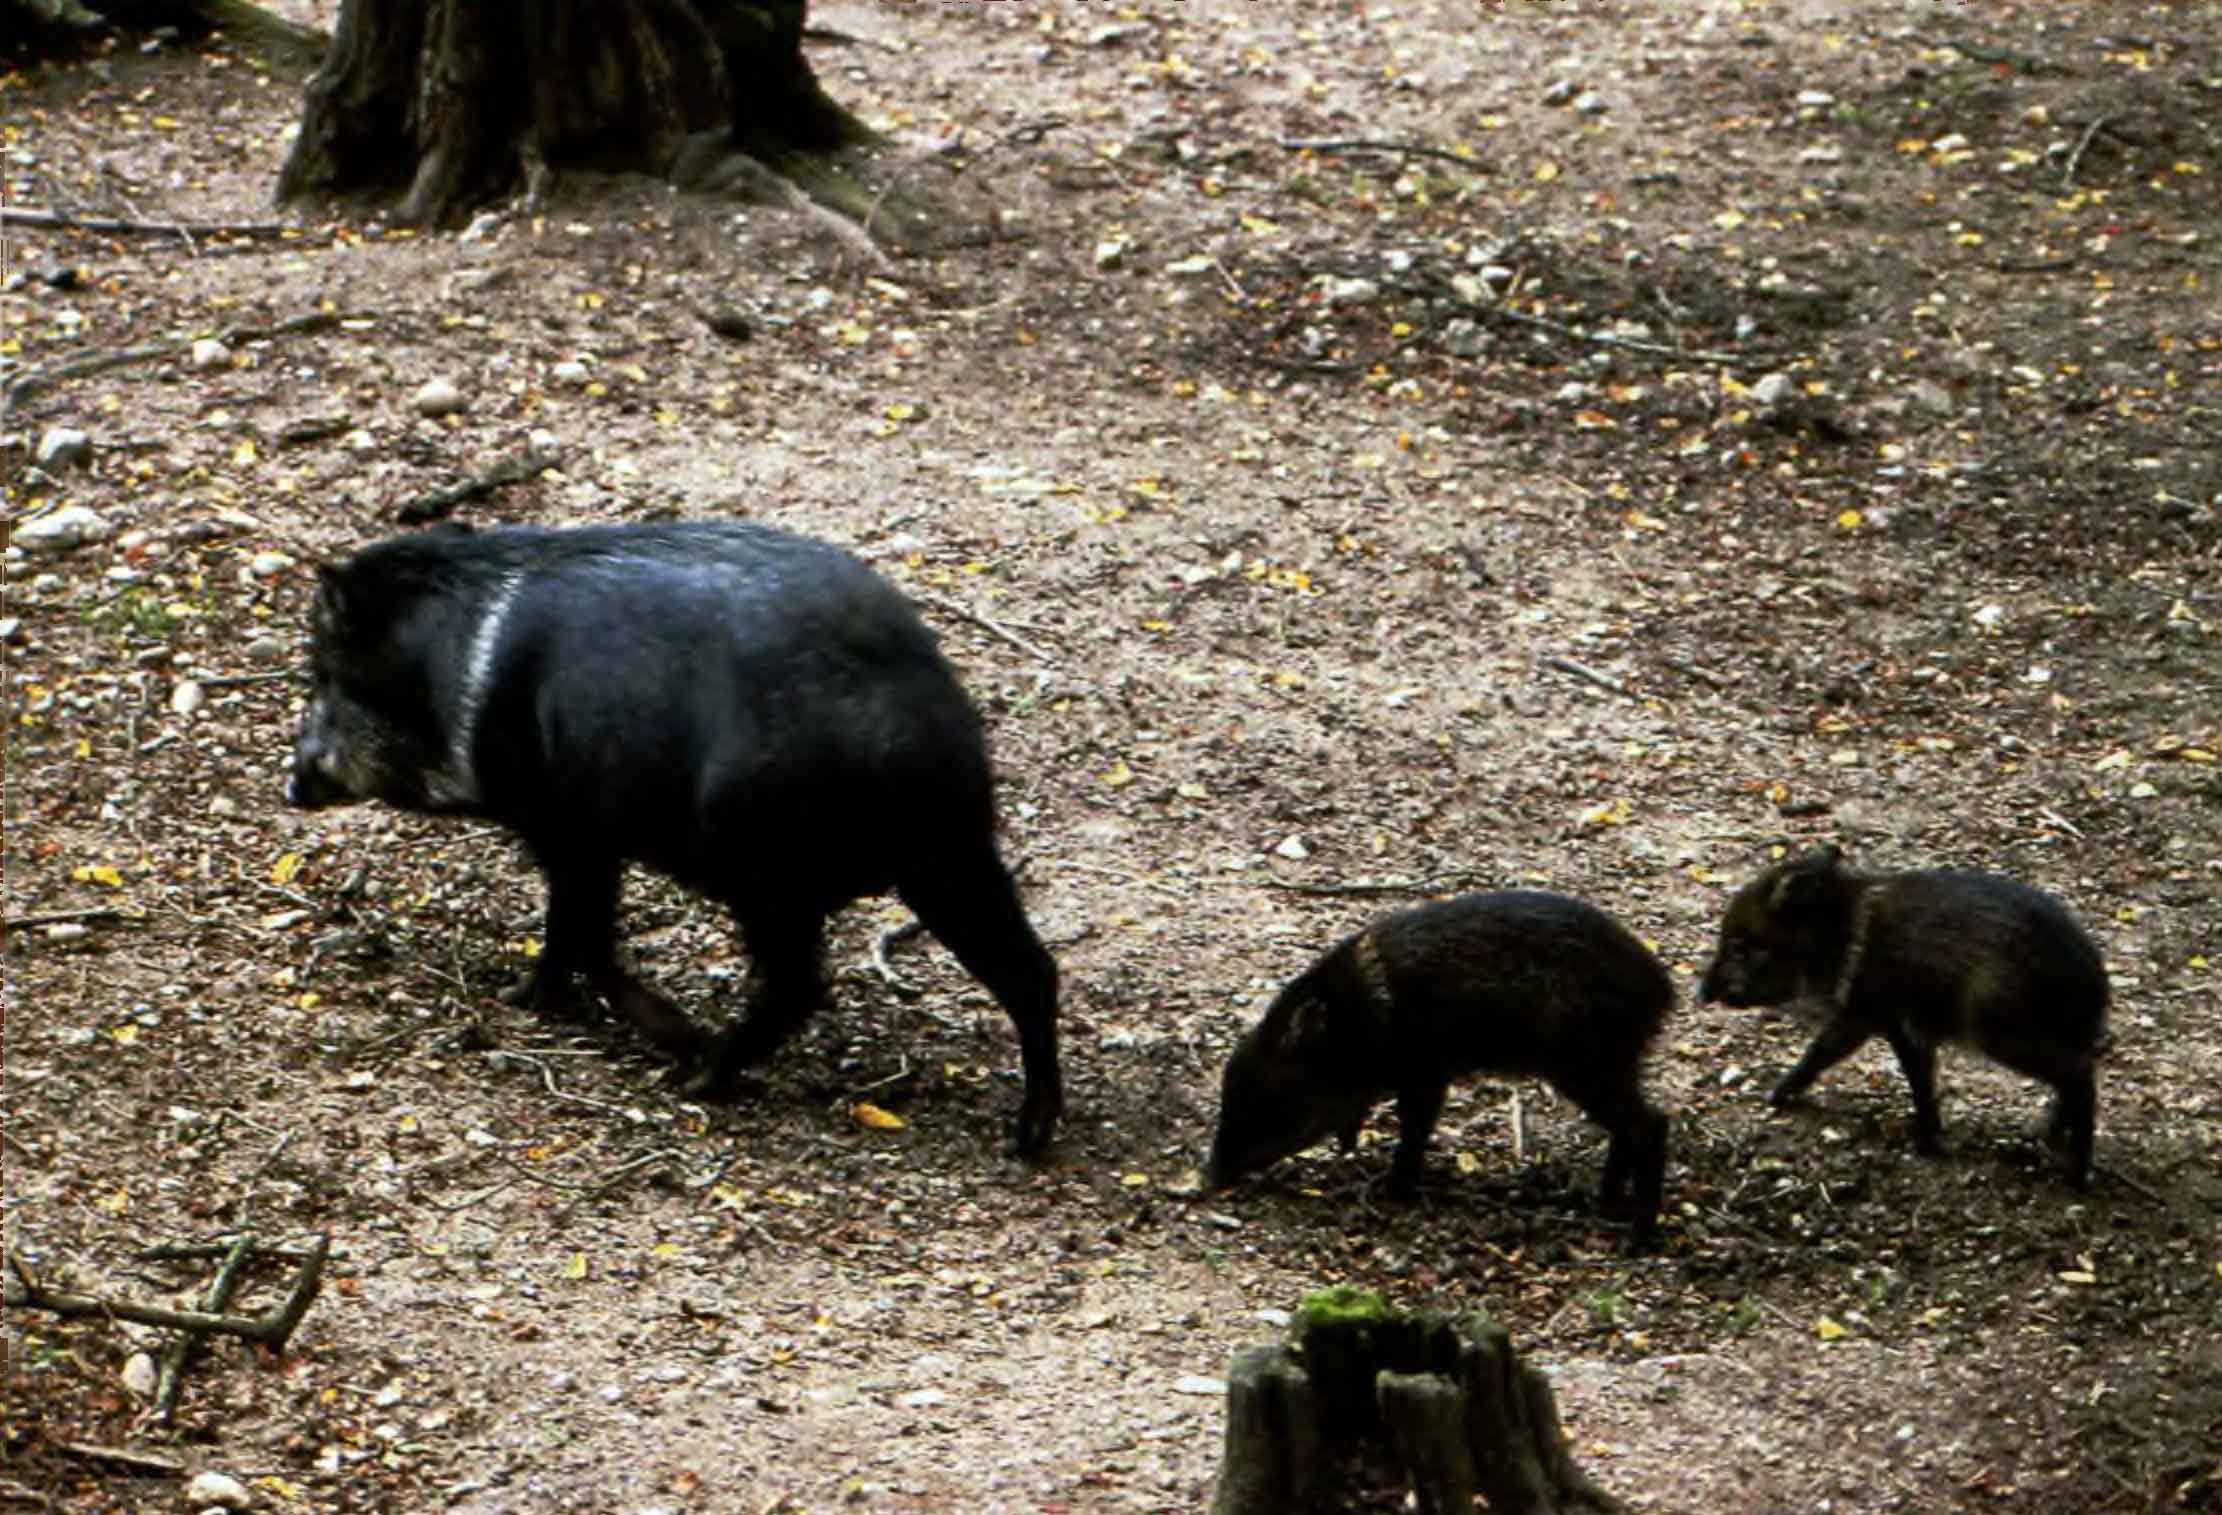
<point>139,1375</point>
<point>219,1489</point>
<point>187,697</point>
<point>439,397</point>
<point>209,353</point>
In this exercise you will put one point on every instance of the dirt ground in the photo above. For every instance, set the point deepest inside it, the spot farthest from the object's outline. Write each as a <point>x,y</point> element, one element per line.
<point>1728,424</point>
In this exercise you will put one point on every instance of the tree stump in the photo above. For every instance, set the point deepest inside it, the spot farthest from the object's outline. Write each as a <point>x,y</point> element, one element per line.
<point>458,101</point>
<point>1362,1394</point>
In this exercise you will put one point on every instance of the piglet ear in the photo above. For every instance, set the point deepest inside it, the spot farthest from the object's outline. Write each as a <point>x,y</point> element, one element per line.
<point>1806,880</point>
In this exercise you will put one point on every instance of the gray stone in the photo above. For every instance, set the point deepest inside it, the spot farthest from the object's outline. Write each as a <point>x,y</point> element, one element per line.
<point>1350,292</point>
<point>61,529</point>
<point>64,447</point>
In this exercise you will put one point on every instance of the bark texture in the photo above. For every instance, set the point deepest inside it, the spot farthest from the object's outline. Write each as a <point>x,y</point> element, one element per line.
<point>456,102</point>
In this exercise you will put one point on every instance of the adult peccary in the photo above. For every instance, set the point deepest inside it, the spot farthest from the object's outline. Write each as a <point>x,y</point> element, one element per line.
<point>753,713</point>
<point>1920,959</point>
<point>1520,983</point>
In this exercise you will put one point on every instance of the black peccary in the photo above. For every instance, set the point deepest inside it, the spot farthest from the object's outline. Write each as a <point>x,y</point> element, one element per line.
<point>753,713</point>
<point>1519,983</point>
<point>1919,959</point>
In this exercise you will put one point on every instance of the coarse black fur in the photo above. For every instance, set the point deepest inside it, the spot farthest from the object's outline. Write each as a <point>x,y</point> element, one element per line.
<point>1518,983</point>
<point>755,714</point>
<point>1921,959</point>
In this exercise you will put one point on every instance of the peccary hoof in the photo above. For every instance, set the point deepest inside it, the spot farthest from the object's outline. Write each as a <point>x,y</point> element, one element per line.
<point>1037,1123</point>
<point>659,1020</point>
<point>548,994</point>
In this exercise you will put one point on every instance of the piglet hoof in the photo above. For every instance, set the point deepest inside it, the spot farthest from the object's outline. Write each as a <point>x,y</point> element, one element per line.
<point>1785,1094</point>
<point>1928,1143</point>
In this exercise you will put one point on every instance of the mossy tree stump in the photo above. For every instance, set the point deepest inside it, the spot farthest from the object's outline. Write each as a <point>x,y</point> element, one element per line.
<point>455,102</point>
<point>1447,1402</point>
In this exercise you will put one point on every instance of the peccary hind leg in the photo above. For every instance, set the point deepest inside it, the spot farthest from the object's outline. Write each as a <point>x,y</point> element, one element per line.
<point>968,901</point>
<point>787,984</point>
<point>1919,1061</point>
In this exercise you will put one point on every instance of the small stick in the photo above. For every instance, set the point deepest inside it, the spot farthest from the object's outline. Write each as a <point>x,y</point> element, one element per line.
<point>2067,175</point>
<point>1606,339</point>
<point>981,621</point>
<point>62,220</point>
<point>235,680</point>
<point>883,940</point>
<point>438,504</point>
<point>1702,675</point>
<point>2132,1185</point>
<point>1582,671</point>
<point>59,917</point>
<point>1519,1130</point>
<point>27,385</point>
<point>547,1077</point>
<point>187,1251</point>
<point>1367,888</point>
<point>174,1356</point>
<point>271,1330</point>
<point>1373,145</point>
<point>144,1462</point>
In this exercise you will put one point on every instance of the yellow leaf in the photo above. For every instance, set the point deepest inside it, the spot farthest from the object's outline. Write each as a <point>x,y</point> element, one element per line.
<point>1118,775</point>
<point>1828,1330</point>
<point>103,875</point>
<point>124,1036</point>
<point>664,1249</point>
<point>873,1118</point>
<point>244,454</point>
<point>1545,171</point>
<point>900,411</point>
<point>1848,520</point>
<point>575,1269</point>
<point>2078,1276</point>
<point>1136,1180</point>
<point>282,871</point>
<point>729,1196</point>
<point>1729,220</point>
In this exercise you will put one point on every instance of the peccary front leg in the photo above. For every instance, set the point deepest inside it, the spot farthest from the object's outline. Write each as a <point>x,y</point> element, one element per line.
<point>1837,1040</point>
<point>1417,1105</point>
<point>2074,1114</point>
<point>1919,1060</point>
<point>581,938</point>
<point>972,908</point>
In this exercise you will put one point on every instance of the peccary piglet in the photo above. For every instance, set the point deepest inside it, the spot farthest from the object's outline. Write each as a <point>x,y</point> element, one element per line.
<point>1519,983</point>
<point>752,713</point>
<point>1921,959</point>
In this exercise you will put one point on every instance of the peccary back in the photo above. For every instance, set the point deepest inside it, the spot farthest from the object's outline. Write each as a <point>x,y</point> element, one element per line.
<point>1519,983</point>
<point>1922,959</point>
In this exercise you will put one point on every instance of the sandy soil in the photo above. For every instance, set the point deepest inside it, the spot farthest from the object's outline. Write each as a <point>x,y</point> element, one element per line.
<point>1289,598</point>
